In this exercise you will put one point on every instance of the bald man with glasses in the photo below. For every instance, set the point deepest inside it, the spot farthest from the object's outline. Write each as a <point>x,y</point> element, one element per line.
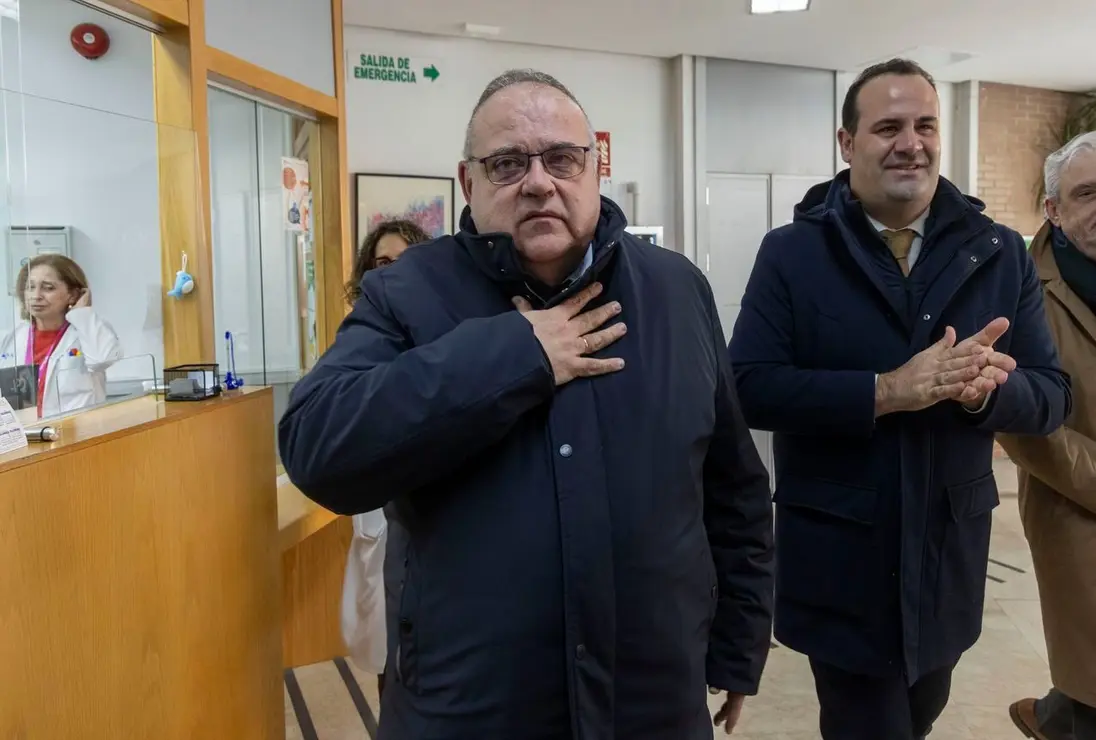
<point>580,527</point>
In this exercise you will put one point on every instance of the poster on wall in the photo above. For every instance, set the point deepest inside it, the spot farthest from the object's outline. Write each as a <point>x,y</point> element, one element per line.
<point>604,158</point>
<point>426,201</point>
<point>296,194</point>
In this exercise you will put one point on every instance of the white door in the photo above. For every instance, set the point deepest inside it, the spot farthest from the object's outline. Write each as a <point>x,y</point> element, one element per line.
<point>786,193</point>
<point>738,218</point>
<point>738,212</point>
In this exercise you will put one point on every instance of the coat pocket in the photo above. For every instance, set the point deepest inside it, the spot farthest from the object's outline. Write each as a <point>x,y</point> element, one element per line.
<point>964,550</point>
<point>824,535</point>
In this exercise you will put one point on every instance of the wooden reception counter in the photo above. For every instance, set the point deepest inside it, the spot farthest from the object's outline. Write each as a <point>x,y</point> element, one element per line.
<point>314,547</point>
<point>140,580</point>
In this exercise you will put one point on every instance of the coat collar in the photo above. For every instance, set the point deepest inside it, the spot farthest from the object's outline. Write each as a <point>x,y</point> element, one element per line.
<point>1042,252</point>
<point>495,256</point>
<point>954,219</point>
<point>834,201</point>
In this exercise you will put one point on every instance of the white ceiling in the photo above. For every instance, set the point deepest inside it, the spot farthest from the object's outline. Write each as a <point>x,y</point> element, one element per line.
<point>1041,43</point>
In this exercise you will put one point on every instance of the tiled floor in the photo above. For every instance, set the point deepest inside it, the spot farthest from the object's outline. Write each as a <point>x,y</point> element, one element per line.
<point>1008,663</point>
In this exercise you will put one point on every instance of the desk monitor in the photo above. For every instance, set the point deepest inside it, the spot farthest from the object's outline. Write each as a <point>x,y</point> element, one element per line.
<point>19,385</point>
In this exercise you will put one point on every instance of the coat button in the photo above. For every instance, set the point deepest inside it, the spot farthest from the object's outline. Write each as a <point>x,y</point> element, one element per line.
<point>580,652</point>
<point>565,451</point>
<point>927,316</point>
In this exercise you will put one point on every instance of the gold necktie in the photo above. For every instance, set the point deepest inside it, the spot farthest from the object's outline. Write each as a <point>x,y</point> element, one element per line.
<point>900,243</point>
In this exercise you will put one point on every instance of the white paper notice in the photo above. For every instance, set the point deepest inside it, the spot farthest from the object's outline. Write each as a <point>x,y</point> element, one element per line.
<point>12,436</point>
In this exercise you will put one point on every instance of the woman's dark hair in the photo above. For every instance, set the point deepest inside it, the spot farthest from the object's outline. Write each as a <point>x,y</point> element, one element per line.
<point>409,231</point>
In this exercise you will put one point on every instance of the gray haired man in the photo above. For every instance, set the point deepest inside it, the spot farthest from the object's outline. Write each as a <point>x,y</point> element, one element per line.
<point>580,527</point>
<point>1058,472</point>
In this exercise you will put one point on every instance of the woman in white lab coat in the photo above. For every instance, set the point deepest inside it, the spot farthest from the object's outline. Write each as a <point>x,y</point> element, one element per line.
<point>363,612</point>
<point>61,334</point>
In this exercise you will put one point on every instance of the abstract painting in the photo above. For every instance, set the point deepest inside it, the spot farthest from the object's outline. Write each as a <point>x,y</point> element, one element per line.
<point>427,201</point>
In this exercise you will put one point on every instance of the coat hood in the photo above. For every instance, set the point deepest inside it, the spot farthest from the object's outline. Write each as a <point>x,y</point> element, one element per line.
<point>495,254</point>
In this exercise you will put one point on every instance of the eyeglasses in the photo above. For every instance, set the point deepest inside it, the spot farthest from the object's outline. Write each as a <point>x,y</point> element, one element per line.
<point>563,162</point>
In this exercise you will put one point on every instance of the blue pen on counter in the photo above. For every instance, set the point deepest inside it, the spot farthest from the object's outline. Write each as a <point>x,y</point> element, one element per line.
<point>232,381</point>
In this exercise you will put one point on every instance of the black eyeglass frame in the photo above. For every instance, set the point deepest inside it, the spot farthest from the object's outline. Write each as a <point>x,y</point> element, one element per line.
<point>528,158</point>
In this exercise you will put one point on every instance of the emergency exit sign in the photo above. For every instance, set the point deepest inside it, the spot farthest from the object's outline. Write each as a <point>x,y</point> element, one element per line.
<point>397,69</point>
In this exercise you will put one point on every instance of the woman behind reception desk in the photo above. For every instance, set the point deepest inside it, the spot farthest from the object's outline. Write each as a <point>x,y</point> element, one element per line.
<point>62,335</point>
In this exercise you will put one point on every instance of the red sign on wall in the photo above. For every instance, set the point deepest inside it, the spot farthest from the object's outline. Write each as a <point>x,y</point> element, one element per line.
<point>603,154</point>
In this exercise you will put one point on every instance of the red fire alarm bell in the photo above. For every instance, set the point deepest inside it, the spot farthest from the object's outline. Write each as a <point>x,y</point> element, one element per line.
<point>89,40</point>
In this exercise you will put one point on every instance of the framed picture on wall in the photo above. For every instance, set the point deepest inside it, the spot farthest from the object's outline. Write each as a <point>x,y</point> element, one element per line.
<point>428,201</point>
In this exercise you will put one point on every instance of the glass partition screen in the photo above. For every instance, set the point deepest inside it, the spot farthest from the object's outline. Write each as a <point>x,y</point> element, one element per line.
<point>264,275</point>
<point>81,157</point>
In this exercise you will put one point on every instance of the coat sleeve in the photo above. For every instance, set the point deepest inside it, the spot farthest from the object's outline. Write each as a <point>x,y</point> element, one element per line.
<point>738,517</point>
<point>777,395</point>
<point>1037,397</point>
<point>1065,460</point>
<point>99,342</point>
<point>379,417</point>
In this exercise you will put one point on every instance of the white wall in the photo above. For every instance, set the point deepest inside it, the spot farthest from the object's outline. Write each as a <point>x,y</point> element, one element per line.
<point>766,118</point>
<point>964,130</point>
<point>290,37</point>
<point>79,150</point>
<point>419,129</point>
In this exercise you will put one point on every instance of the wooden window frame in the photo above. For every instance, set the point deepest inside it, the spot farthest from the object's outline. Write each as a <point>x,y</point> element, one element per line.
<point>183,65</point>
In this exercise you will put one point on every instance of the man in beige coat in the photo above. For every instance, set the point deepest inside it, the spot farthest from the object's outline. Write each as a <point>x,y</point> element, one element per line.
<point>1058,472</point>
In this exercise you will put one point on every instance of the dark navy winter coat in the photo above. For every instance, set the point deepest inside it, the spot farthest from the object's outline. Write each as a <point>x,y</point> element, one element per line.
<point>573,562</point>
<point>883,526</point>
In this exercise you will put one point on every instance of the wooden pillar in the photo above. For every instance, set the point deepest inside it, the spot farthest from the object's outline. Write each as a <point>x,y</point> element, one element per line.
<point>336,248</point>
<point>179,73</point>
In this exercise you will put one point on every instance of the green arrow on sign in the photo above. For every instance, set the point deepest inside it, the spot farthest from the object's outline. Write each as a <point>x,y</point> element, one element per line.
<point>431,72</point>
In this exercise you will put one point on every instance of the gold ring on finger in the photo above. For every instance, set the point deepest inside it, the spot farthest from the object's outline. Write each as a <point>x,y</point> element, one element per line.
<point>586,344</point>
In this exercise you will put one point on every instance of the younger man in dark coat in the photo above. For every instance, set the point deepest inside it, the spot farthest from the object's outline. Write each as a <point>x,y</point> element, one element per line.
<point>884,336</point>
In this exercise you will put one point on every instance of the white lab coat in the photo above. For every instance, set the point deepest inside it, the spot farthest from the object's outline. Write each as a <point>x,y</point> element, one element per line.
<point>363,617</point>
<point>73,381</point>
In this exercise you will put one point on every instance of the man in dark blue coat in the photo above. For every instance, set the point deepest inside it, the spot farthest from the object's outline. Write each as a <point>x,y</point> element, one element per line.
<point>580,537</point>
<point>884,337</point>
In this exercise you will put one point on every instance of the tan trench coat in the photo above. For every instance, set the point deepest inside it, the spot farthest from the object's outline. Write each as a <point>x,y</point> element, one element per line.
<point>1058,492</point>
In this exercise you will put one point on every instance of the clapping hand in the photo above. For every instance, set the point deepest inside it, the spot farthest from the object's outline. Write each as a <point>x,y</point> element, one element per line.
<point>965,372</point>
<point>995,369</point>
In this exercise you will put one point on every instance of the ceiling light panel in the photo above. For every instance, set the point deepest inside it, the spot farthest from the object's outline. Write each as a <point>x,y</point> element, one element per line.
<point>762,7</point>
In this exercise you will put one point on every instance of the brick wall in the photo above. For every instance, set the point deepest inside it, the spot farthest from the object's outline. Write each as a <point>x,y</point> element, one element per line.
<point>1016,130</point>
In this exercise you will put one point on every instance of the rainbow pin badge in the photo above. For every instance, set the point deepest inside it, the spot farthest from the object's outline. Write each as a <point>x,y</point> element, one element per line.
<point>74,352</point>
